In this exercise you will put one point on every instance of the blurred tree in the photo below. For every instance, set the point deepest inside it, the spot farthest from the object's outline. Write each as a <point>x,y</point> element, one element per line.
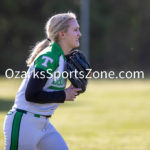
<point>119,31</point>
<point>22,24</point>
<point>120,34</point>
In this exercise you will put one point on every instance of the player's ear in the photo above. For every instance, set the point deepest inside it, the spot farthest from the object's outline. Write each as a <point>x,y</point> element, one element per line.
<point>61,34</point>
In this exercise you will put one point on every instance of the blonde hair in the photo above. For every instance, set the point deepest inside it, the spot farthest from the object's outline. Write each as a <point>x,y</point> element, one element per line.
<point>58,22</point>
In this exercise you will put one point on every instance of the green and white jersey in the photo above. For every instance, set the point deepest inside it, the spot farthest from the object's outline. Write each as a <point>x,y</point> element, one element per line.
<point>50,60</point>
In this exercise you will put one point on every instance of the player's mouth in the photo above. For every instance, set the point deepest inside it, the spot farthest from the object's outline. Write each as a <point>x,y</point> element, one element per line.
<point>77,40</point>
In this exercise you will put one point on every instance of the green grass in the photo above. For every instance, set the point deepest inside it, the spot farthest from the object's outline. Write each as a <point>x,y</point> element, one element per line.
<point>111,115</point>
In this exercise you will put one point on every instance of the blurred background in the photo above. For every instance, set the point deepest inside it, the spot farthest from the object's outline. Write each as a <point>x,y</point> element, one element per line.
<point>119,31</point>
<point>112,114</point>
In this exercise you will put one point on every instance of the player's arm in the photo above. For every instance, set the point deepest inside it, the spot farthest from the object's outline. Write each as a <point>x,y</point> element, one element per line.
<point>34,92</point>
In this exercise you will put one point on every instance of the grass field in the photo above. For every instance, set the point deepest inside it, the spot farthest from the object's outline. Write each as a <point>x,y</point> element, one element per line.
<point>111,115</point>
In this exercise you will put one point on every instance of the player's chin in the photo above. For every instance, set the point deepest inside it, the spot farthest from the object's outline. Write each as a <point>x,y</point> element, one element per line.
<point>77,44</point>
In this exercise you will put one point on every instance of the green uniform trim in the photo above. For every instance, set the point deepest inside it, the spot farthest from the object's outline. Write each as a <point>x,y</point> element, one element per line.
<point>56,88</point>
<point>49,58</point>
<point>59,50</point>
<point>15,131</point>
<point>48,61</point>
<point>37,115</point>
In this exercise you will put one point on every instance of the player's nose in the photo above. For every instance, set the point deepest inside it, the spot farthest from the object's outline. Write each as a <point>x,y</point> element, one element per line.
<point>79,34</point>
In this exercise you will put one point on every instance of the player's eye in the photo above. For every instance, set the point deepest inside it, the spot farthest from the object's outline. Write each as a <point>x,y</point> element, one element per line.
<point>76,29</point>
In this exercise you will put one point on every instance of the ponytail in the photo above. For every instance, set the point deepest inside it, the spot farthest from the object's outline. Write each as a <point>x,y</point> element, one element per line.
<point>56,23</point>
<point>36,50</point>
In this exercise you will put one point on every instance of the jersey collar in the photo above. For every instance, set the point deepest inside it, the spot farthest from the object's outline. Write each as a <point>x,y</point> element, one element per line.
<point>59,49</point>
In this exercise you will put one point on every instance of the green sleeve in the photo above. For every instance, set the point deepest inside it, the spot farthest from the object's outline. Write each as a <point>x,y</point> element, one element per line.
<point>46,61</point>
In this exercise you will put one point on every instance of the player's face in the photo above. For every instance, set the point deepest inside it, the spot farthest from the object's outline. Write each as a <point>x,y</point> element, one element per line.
<point>72,35</point>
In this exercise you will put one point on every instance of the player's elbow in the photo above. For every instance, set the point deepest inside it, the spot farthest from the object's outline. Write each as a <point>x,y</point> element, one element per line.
<point>29,96</point>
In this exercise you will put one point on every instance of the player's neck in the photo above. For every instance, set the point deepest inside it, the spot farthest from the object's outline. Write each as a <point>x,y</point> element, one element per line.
<point>66,49</point>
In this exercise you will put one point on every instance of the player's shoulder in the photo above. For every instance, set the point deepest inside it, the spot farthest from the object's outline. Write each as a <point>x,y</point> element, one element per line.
<point>47,59</point>
<point>54,51</point>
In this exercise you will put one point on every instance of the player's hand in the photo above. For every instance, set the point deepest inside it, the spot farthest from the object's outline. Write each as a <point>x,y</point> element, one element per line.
<point>71,93</point>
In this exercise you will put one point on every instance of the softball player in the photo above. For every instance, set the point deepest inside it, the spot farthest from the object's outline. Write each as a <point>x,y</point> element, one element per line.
<point>27,125</point>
